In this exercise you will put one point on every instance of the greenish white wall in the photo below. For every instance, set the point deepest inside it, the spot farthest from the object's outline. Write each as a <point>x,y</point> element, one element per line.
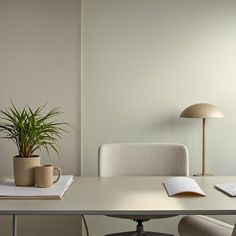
<point>40,63</point>
<point>144,61</point>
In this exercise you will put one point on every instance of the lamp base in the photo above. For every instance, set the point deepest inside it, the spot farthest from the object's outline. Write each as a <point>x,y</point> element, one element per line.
<point>199,174</point>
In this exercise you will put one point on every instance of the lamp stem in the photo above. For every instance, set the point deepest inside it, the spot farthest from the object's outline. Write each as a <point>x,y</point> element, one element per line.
<point>203,147</point>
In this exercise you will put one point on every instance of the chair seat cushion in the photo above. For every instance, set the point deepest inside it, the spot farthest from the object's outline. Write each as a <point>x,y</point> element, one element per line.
<point>203,226</point>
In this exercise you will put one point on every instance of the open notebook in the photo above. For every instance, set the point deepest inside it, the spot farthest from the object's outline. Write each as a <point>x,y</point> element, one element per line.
<point>8,190</point>
<point>182,186</point>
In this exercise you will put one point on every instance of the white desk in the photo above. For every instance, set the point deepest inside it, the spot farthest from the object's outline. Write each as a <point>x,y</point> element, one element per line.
<point>124,196</point>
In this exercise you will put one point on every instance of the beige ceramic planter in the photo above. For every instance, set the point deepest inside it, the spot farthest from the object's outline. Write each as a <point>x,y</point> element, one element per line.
<point>24,170</point>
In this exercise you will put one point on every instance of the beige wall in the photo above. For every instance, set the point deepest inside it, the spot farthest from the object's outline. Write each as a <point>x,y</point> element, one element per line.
<point>144,61</point>
<point>40,63</point>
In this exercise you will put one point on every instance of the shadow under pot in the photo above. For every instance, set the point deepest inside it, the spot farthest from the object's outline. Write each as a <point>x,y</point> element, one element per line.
<point>24,168</point>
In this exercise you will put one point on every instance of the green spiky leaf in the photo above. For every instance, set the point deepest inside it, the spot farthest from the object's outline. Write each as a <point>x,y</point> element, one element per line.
<point>30,130</point>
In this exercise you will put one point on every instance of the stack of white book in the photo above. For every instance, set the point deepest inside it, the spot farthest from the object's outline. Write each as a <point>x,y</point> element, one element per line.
<point>8,190</point>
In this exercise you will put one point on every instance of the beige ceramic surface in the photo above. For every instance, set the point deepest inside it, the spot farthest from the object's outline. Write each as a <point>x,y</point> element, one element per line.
<point>24,170</point>
<point>44,175</point>
<point>128,195</point>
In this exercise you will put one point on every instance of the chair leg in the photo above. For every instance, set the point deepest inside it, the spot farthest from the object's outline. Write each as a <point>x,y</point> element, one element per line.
<point>156,234</point>
<point>135,233</point>
<point>130,233</point>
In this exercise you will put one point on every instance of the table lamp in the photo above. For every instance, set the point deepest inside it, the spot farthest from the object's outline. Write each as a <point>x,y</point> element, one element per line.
<point>202,111</point>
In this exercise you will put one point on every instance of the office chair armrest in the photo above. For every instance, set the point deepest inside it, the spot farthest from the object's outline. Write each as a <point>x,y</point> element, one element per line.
<point>203,225</point>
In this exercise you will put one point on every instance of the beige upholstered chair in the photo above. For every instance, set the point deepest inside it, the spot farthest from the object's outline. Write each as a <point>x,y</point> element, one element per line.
<point>204,226</point>
<point>142,159</point>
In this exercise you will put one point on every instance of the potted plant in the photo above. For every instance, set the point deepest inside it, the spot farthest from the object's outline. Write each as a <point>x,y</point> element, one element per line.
<point>30,130</point>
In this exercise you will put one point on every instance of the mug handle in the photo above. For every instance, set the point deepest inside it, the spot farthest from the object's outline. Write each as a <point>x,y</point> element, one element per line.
<point>59,174</point>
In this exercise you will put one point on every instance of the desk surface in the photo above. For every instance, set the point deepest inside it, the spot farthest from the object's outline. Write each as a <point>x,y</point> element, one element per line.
<point>127,195</point>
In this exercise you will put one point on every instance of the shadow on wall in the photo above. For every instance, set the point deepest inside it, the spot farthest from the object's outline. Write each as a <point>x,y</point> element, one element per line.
<point>6,157</point>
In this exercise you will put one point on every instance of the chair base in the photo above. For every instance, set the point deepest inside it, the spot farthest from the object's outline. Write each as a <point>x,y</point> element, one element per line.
<point>135,233</point>
<point>139,232</point>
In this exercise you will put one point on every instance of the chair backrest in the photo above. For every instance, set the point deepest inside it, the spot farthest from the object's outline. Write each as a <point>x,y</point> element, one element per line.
<point>143,159</point>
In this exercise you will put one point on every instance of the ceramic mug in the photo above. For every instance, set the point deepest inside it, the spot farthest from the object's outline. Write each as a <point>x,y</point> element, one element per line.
<point>44,175</point>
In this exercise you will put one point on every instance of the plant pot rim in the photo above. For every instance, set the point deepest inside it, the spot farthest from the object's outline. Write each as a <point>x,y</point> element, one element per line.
<point>20,157</point>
